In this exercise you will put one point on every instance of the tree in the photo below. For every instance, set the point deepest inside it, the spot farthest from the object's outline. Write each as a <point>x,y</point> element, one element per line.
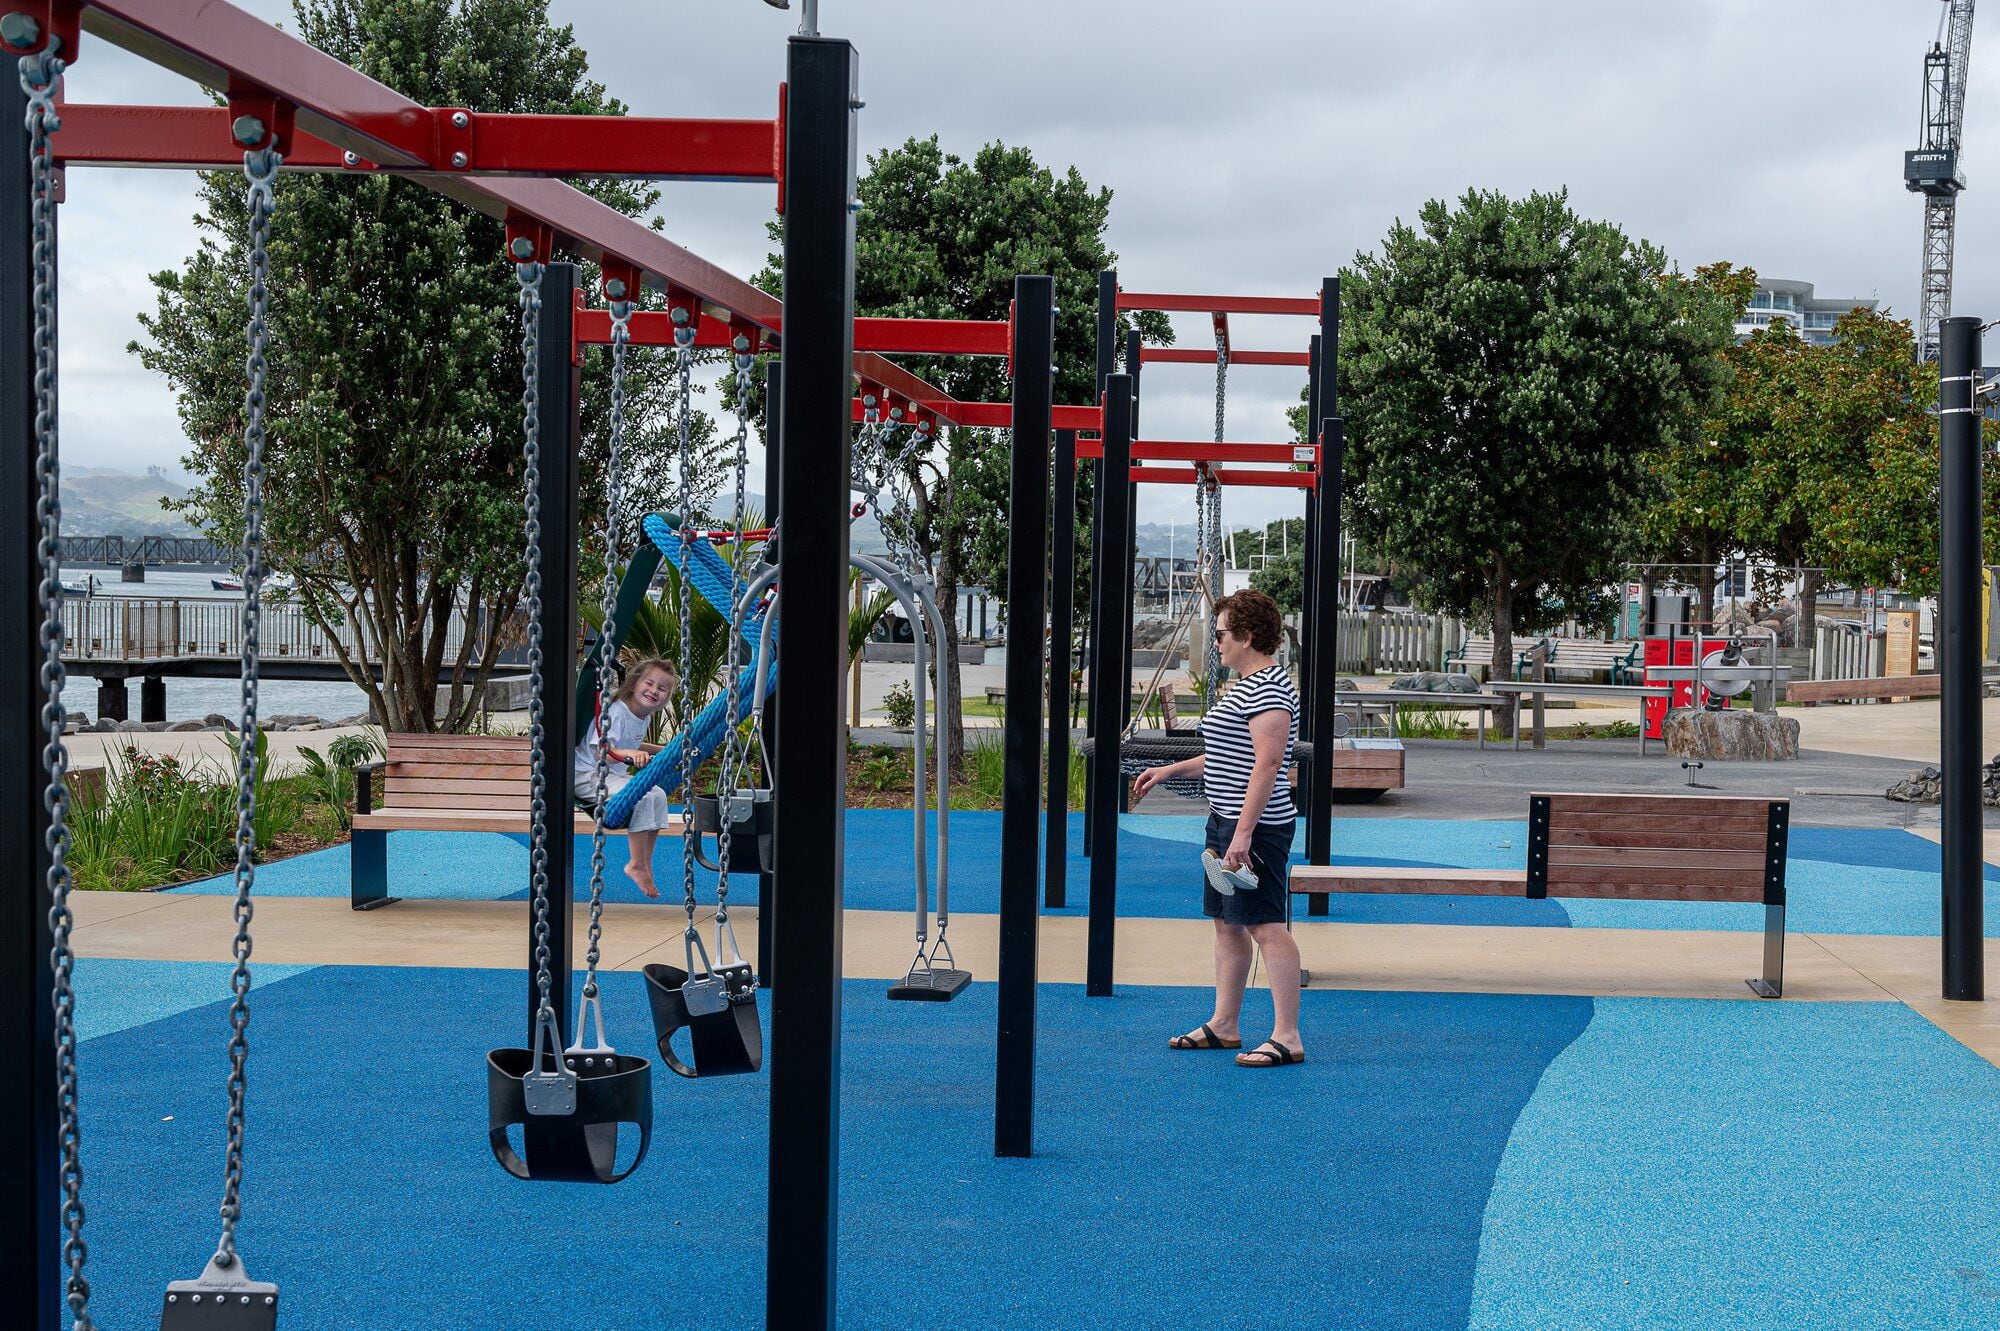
<point>1507,367</point>
<point>943,238</point>
<point>394,490</point>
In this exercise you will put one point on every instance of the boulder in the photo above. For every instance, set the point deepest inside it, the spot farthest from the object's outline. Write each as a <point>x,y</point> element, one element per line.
<point>1731,735</point>
<point>217,721</point>
<point>186,726</point>
<point>1926,784</point>
<point>1432,681</point>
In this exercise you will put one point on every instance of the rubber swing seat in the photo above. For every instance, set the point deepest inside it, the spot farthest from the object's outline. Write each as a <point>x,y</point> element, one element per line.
<point>612,1090</point>
<point>749,838</point>
<point>724,1044</point>
<point>930,986</point>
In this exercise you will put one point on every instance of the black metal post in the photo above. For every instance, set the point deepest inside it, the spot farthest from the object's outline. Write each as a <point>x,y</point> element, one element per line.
<point>30,1199</point>
<point>1134,359</point>
<point>1961,588</point>
<point>1107,361</point>
<point>1308,622</point>
<point>801,1251</point>
<point>1326,662</point>
<point>1020,805</point>
<point>1110,677</point>
<point>561,428</point>
<point>774,496</point>
<point>1062,607</point>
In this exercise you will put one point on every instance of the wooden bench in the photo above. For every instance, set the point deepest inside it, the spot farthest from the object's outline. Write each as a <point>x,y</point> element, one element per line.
<point>1567,656</point>
<point>1624,847</point>
<point>1812,692</point>
<point>440,783</point>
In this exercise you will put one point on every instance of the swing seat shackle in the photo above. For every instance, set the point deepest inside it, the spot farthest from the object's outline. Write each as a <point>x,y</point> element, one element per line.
<point>724,1042</point>
<point>612,1090</point>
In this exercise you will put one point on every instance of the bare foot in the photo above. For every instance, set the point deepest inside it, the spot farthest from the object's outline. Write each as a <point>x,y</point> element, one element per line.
<point>644,878</point>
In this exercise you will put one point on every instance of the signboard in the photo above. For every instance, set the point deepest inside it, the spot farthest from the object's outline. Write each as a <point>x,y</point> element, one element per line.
<point>1633,591</point>
<point>1902,645</point>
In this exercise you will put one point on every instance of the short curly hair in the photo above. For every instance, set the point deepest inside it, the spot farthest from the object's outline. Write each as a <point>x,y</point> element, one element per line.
<point>1254,618</point>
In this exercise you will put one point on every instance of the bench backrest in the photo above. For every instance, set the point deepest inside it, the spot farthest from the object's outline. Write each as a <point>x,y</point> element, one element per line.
<point>1658,847</point>
<point>455,772</point>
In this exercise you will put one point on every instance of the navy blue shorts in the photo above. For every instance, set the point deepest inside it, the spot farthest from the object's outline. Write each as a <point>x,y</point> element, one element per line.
<point>1270,859</point>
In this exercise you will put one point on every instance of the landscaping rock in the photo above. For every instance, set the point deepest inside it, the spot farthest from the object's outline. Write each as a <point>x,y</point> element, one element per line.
<point>1925,786</point>
<point>103,725</point>
<point>1734,735</point>
<point>76,719</point>
<point>1432,681</point>
<point>217,721</point>
<point>183,727</point>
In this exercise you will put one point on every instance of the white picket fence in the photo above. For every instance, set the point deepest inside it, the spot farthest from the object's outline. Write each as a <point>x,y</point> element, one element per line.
<point>1844,650</point>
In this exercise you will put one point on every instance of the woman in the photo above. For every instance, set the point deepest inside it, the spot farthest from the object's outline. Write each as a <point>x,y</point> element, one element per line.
<point>1247,738</point>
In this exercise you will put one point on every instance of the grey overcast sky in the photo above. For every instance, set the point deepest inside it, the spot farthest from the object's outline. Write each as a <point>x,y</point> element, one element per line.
<point>1252,148</point>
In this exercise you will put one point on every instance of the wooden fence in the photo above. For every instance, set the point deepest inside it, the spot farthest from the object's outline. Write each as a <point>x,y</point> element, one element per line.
<point>1395,640</point>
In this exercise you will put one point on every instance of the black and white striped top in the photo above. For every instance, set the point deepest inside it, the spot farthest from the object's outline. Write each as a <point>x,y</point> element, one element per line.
<point>1225,734</point>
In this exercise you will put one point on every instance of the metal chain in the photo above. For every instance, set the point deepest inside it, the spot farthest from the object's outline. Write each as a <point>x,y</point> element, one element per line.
<point>260,171</point>
<point>614,506</point>
<point>1212,523</point>
<point>39,75</point>
<point>529,276</point>
<point>726,774</point>
<point>683,376</point>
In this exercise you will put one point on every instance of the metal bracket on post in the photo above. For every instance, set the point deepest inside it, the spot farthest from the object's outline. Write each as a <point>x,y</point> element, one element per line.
<point>1772,983</point>
<point>28,25</point>
<point>258,119</point>
<point>1538,847</point>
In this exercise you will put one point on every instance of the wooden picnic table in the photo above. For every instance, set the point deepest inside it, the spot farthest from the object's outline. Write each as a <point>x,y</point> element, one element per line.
<point>1483,702</point>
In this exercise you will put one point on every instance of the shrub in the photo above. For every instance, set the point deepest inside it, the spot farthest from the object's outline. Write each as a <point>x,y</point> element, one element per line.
<point>900,706</point>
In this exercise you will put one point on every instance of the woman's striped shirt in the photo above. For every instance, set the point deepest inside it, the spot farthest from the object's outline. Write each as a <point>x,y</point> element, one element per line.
<point>1225,734</point>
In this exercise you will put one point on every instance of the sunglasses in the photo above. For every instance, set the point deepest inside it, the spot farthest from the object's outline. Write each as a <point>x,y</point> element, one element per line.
<point>1220,634</point>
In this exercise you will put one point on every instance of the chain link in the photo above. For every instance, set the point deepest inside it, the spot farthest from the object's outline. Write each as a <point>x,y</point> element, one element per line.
<point>40,74</point>
<point>614,507</point>
<point>1210,510</point>
<point>529,277</point>
<point>727,774</point>
<point>260,171</point>
<point>684,404</point>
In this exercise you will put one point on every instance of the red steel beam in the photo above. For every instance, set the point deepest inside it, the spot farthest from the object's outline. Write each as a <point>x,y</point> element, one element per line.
<point>1139,300</point>
<point>996,415</point>
<point>1193,356</point>
<point>1230,476</point>
<point>624,146</point>
<point>218,45</point>
<point>1162,450</point>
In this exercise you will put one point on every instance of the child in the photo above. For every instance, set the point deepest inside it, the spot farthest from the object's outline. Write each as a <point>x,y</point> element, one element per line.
<point>646,688</point>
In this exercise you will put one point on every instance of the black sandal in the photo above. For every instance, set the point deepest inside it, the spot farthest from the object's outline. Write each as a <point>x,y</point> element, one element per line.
<point>1207,1040</point>
<point>1270,1054</point>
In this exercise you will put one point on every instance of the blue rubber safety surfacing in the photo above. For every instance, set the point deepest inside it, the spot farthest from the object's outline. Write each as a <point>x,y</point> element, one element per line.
<point>372,1199</point>
<point>1839,880</point>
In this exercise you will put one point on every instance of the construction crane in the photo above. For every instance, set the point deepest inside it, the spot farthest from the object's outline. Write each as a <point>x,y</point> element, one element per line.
<point>1933,169</point>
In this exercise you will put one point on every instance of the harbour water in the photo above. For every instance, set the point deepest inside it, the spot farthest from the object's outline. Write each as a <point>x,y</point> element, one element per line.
<point>192,699</point>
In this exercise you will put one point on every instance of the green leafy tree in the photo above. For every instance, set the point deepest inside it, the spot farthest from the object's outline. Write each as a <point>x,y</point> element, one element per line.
<point>393,460</point>
<point>1506,367</point>
<point>944,238</point>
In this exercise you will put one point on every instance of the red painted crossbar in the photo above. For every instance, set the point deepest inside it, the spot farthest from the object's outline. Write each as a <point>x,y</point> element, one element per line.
<point>1229,476</point>
<point>1163,450</point>
<point>1139,300</point>
<point>997,415</point>
<point>937,337</point>
<point>1194,356</point>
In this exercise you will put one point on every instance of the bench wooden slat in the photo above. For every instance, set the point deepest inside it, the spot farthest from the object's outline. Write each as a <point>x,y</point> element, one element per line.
<point>515,787</point>
<point>404,739</point>
<point>1704,806</point>
<point>517,801</point>
<point>1649,822</point>
<point>473,771</point>
<point>1317,878</point>
<point>1671,880</point>
<point>462,754</point>
<point>1850,690</point>
<point>1390,760</point>
<point>1726,894</point>
<point>1704,836</point>
<point>477,820</point>
<point>1639,857</point>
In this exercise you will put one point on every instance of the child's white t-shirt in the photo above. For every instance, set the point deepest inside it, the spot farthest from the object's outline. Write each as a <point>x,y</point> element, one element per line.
<point>623,729</point>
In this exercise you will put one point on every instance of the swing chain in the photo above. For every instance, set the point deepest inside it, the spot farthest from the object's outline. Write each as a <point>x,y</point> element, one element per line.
<point>614,500</point>
<point>40,74</point>
<point>726,772</point>
<point>528,274</point>
<point>260,170</point>
<point>684,333</point>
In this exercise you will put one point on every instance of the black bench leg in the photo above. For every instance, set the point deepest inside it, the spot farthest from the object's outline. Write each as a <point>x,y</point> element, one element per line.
<point>1317,903</point>
<point>368,869</point>
<point>1772,985</point>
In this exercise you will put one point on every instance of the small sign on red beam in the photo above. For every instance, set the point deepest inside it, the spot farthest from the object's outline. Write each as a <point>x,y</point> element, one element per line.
<point>1162,450</point>
<point>1193,356</point>
<point>1135,300</point>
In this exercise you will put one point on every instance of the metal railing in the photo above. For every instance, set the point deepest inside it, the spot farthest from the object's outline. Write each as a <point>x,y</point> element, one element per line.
<point>134,628</point>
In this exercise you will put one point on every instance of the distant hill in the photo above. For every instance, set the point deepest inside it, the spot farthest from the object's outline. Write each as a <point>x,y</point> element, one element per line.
<point>100,501</point>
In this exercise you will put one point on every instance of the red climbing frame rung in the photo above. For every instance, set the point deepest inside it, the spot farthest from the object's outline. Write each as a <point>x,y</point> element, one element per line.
<point>1146,300</point>
<point>1195,356</point>
<point>1229,477</point>
<point>1164,450</point>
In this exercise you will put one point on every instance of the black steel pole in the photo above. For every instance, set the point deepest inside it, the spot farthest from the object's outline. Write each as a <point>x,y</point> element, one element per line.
<point>1308,622</point>
<point>1961,587</point>
<point>1107,361</point>
<point>30,1197</point>
<point>561,429</point>
<point>1134,359</point>
<point>774,497</point>
<point>801,1250</point>
<point>1319,787</point>
<point>1062,607</point>
<point>1020,805</point>
<point>1110,677</point>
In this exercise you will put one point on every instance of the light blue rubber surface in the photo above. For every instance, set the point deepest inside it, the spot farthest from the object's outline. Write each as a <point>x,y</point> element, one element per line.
<point>1838,880</point>
<point>114,994</point>
<point>1688,1166</point>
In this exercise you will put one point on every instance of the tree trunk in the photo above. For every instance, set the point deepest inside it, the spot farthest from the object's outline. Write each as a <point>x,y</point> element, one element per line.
<point>1808,629</point>
<point>1705,587</point>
